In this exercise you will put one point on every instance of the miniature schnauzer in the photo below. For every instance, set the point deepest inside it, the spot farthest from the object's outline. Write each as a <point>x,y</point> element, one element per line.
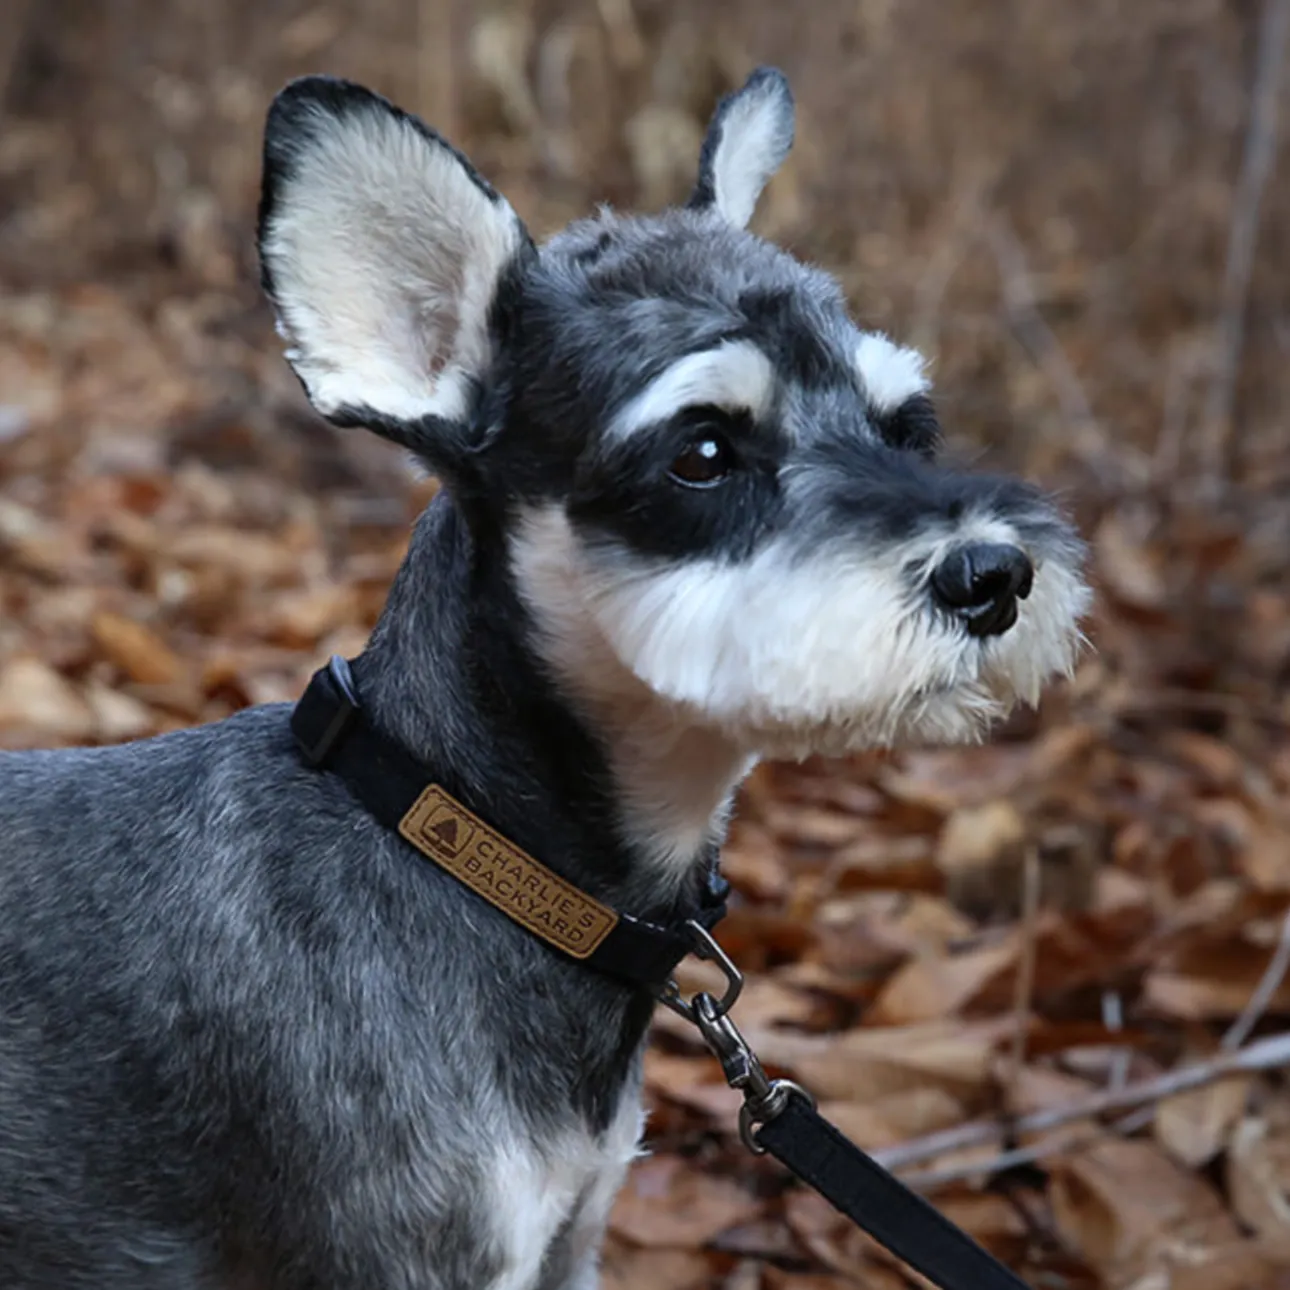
<point>691,516</point>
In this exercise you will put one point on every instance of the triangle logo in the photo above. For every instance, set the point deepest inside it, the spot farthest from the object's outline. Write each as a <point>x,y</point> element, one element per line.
<point>446,831</point>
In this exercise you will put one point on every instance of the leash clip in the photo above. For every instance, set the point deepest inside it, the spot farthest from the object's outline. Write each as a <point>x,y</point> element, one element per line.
<point>764,1098</point>
<point>703,946</point>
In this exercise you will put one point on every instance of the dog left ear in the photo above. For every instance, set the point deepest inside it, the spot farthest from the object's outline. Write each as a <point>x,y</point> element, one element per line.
<point>383,252</point>
<point>750,135</point>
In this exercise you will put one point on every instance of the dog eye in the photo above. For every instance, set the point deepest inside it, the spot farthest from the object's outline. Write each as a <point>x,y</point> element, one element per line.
<point>706,460</point>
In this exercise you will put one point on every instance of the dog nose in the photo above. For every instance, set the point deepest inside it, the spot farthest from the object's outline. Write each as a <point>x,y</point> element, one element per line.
<point>981,583</point>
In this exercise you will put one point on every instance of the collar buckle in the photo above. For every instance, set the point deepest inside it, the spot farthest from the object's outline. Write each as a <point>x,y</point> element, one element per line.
<point>317,751</point>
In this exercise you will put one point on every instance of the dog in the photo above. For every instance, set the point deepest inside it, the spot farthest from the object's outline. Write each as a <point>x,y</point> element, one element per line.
<point>691,516</point>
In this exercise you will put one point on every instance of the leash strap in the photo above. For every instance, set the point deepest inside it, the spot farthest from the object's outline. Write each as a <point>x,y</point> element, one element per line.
<point>779,1117</point>
<point>809,1146</point>
<point>334,734</point>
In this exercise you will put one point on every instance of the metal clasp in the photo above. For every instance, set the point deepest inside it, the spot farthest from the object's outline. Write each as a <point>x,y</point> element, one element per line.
<point>764,1098</point>
<point>704,947</point>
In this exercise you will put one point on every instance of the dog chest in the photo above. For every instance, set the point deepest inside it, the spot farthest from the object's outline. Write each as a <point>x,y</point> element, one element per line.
<point>552,1198</point>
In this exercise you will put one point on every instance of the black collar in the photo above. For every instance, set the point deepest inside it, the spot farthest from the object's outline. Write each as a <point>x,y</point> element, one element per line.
<point>334,734</point>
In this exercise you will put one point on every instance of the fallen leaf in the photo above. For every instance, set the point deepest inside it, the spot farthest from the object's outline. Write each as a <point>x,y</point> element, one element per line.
<point>938,985</point>
<point>665,1204</point>
<point>1126,1207</point>
<point>895,1116</point>
<point>304,617</point>
<point>137,650</point>
<point>118,716</point>
<point>860,1064</point>
<point>1194,1126</point>
<point>1258,1179</point>
<point>624,1268</point>
<point>38,704</point>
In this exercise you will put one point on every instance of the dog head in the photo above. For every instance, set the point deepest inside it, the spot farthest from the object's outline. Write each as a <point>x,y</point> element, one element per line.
<point>716,493</point>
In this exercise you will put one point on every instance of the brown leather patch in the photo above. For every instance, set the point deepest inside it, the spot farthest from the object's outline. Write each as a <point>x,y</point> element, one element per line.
<point>521,887</point>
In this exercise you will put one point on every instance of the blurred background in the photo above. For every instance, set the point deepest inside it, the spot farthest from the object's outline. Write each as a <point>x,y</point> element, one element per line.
<point>1080,213</point>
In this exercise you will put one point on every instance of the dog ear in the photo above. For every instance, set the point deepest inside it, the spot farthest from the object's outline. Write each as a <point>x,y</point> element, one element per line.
<point>383,252</point>
<point>750,135</point>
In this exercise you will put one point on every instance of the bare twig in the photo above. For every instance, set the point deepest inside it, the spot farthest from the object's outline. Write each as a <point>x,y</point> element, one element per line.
<point>1025,983</point>
<point>1113,1018</point>
<point>1265,1054</point>
<point>1184,369</point>
<point>13,30</point>
<point>1032,330</point>
<point>1256,166</point>
<point>1269,984</point>
<point>927,1179</point>
<point>436,65</point>
<point>949,251</point>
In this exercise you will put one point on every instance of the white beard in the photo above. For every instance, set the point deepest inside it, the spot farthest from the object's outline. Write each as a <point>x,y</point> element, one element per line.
<point>787,655</point>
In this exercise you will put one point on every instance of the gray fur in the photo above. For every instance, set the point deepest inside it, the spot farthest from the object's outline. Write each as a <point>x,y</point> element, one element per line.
<point>248,1038</point>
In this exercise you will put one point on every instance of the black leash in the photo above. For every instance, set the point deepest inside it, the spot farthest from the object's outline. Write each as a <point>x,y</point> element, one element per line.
<point>854,1184</point>
<point>778,1117</point>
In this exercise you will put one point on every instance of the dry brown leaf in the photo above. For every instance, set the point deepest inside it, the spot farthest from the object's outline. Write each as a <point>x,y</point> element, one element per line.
<point>1258,1180</point>
<point>624,1268</point>
<point>256,560</point>
<point>1194,1126</point>
<point>118,716</point>
<point>664,1203</point>
<point>937,985</point>
<point>754,862</point>
<point>1211,982</point>
<point>1131,570</point>
<point>304,617</point>
<point>803,825</point>
<point>886,863</point>
<point>778,1279</point>
<point>993,1220</point>
<point>1129,1210</point>
<point>137,650</point>
<point>695,1083</point>
<point>895,1116</point>
<point>1241,1265</point>
<point>939,781</point>
<point>38,703</point>
<point>861,1064</point>
<point>879,929</point>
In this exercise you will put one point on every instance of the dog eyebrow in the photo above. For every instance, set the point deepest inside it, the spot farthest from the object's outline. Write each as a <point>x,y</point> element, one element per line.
<point>890,374</point>
<point>735,375</point>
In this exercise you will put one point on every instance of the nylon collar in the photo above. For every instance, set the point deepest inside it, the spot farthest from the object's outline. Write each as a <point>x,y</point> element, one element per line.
<point>334,735</point>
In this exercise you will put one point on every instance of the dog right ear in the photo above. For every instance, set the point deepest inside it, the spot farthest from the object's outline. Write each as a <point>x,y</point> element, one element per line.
<point>383,252</point>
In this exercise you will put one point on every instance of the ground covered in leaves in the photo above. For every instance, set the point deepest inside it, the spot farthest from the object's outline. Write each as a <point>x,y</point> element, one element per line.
<point>1044,980</point>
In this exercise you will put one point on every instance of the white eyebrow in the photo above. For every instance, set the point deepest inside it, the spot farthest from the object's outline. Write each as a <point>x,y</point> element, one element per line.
<point>735,375</point>
<point>890,374</point>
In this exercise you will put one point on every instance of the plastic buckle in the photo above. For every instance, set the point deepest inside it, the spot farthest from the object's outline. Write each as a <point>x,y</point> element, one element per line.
<point>343,717</point>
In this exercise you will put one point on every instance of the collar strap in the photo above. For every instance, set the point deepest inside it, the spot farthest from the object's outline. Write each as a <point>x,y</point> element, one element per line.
<point>334,734</point>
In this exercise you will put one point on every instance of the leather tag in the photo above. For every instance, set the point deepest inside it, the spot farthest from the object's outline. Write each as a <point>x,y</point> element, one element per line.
<point>522,888</point>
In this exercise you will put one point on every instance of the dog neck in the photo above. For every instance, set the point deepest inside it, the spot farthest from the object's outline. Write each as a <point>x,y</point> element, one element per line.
<point>610,790</point>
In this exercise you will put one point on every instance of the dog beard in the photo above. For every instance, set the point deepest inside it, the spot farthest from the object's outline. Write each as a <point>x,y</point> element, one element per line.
<point>790,654</point>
